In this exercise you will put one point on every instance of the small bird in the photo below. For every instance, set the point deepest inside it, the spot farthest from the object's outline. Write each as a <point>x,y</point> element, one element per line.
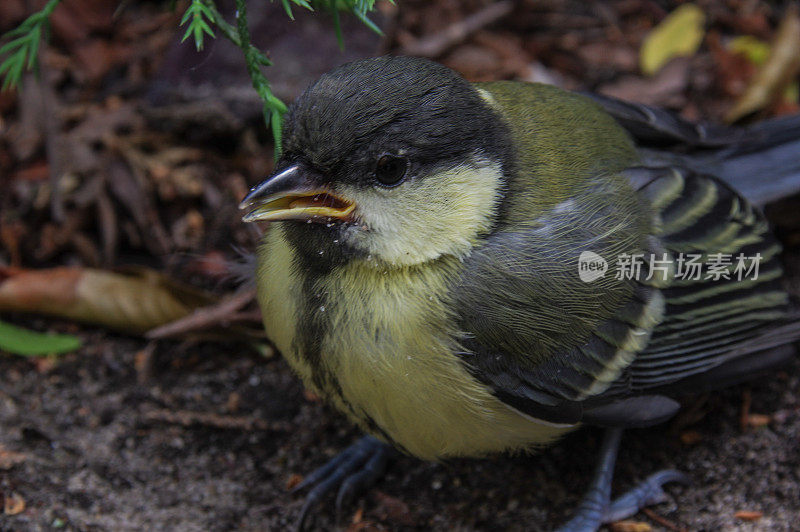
<point>468,269</point>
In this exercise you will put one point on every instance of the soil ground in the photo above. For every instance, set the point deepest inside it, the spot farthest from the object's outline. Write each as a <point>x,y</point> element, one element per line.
<point>208,436</point>
<point>98,456</point>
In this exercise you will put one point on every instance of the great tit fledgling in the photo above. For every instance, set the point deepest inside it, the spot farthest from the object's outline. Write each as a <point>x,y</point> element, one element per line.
<point>425,271</point>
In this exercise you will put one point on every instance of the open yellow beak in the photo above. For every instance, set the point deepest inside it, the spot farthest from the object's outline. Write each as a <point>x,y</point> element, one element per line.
<point>289,195</point>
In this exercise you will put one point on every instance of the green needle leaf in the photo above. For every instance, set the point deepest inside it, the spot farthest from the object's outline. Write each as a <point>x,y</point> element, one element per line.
<point>196,15</point>
<point>23,50</point>
<point>201,18</point>
<point>288,8</point>
<point>337,24</point>
<point>276,123</point>
<point>19,42</point>
<point>362,16</point>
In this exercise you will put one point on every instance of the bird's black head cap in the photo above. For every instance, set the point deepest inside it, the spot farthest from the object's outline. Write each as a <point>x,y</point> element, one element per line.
<point>344,121</point>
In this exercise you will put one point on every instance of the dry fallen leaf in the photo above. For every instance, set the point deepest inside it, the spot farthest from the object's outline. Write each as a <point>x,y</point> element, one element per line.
<point>746,515</point>
<point>133,302</point>
<point>679,34</point>
<point>393,509</point>
<point>630,526</point>
<point>143,363</point>
<point>777,73</point>
<point>758,420</point>
<point>667,88</point>
<point>756,50</point>
<point>732,69</point>
<point>690,437</point>
<point>233,403</point>
<point>293,481</point>
<point>363,526</point>
<point>9,459</point>
<point>13,504</point>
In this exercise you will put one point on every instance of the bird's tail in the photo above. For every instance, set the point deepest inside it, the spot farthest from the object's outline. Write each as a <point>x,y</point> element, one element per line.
<point>761,161</point>
<point>764,165</point>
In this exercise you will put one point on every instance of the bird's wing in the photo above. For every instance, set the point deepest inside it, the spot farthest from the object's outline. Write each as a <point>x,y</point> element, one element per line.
<point>539,336</point>
<point>640,347</point>
<point>709,323</point>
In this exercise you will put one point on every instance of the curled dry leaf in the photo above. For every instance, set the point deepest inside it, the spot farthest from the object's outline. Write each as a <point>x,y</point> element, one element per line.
<point>132,302</point>
<point>775,75</point>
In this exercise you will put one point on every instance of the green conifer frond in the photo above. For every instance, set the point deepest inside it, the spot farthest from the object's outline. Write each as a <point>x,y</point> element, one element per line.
<point>200,18</point>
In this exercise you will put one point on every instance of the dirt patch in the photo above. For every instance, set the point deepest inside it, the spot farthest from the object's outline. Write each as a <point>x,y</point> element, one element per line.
<point>210,435</point>
<point>97,458</point>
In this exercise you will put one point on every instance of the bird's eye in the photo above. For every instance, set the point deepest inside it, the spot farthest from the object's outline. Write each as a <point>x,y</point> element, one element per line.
<point>391,169</point>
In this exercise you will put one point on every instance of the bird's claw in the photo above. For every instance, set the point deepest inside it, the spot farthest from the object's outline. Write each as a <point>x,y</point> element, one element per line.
<point>597,508</point>
<point>353,470</point>
<point>649,491</point>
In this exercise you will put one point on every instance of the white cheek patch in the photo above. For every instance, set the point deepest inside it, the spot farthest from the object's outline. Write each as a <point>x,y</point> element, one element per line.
<point>425,218</point>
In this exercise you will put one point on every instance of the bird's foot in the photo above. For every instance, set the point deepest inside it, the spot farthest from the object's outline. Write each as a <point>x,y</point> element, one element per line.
<point>649,491</point>
<point>352,471</point>
<point>591,515</point>
<point>597,509</point>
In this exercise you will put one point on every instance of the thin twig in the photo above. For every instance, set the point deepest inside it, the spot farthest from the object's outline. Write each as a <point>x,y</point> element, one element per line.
<point>663,521</point>
<point>246,315</point>
<point>438,43</point>
<point>188,418</point>
<point>747,401</point>
<point>52,130</point>
<point>203,318</point>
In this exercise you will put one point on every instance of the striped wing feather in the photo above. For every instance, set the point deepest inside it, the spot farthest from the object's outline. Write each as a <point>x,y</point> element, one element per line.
<point>708,322</point>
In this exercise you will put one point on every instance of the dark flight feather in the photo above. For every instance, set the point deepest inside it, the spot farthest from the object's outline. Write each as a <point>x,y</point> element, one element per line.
<point>760,161</point>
